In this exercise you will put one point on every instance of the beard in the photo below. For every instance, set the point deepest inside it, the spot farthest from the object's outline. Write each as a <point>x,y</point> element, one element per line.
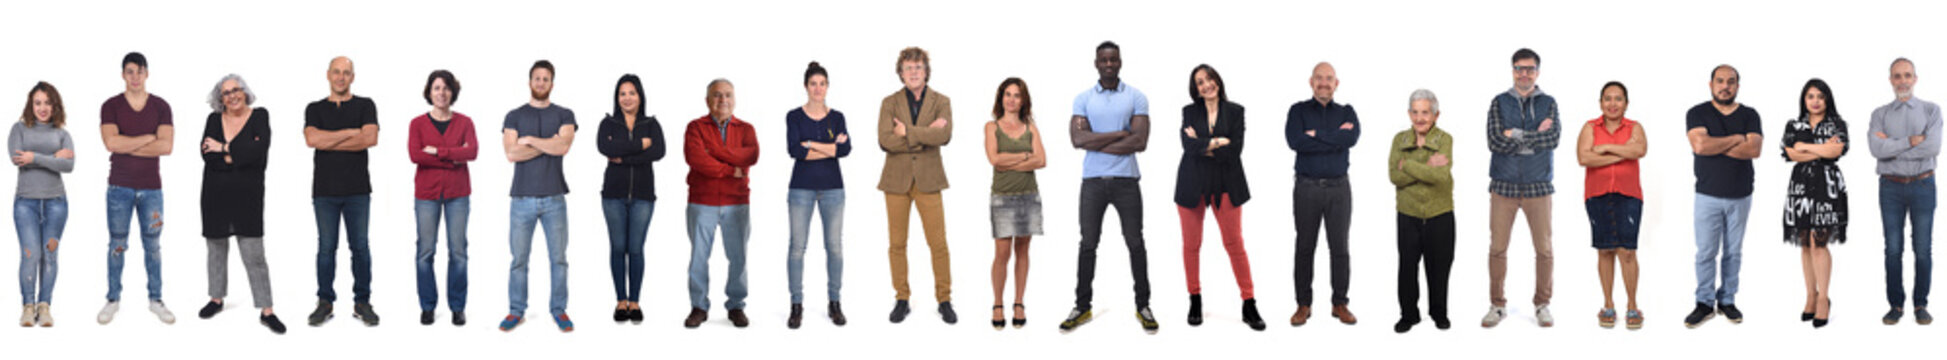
<point>538,95</point>
<point>1724,101</point>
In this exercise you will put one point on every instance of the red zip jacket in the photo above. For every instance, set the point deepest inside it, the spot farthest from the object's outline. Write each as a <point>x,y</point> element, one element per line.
<point>714,159</point>
<point>442,176</point>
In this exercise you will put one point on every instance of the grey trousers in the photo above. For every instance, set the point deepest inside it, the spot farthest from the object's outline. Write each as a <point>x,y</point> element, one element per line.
<point>251,249</point>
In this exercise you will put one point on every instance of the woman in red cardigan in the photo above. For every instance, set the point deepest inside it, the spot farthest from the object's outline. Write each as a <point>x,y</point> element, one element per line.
<point>441,143</point>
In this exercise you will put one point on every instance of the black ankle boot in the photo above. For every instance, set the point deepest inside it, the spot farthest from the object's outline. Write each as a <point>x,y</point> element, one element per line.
<point>1250,315</point>
<point>1196,309</point>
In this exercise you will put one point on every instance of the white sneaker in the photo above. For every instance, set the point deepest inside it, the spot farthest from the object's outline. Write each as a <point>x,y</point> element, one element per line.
<point>1543,317</point>
<point>43,318</point>
<point>26,315</point>
<point>1494,316</point>
<point>108,312</point>
<point>162,312</point>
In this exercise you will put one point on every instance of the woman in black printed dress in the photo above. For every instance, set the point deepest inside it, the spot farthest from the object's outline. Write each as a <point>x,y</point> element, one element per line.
<point>1815,202</point>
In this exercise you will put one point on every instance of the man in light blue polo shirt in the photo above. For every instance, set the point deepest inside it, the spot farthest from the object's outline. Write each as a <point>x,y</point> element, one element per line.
<point>1112,123</point>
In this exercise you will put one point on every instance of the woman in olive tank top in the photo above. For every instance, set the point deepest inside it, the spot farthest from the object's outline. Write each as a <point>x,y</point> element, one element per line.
<point>1014,148</point>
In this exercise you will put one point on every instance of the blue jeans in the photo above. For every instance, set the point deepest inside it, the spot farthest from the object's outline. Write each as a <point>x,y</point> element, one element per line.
<point>552,214</point>
<point>39,222</point>
<point>831,212</point>
<point>428,213</point>
<point>1720,229</point>
<point>628,228</point>
<point>703,221</point>
<point>1898,202</point>
<point>145,204</point>
<point>356,210</point>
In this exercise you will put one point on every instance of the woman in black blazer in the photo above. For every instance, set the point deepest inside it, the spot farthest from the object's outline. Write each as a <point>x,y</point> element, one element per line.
<point>1212,176</point>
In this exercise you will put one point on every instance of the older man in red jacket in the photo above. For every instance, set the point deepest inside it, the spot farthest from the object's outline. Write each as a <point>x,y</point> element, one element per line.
<point>720,150</point>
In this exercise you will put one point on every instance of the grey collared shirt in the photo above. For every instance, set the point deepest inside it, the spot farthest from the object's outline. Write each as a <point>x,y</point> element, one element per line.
<point>1900,120</point>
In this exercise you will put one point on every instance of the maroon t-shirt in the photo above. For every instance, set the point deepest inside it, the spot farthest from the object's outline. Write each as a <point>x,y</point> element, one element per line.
<point>132,171</point>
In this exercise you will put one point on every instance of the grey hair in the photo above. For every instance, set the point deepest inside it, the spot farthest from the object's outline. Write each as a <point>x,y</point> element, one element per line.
<point>1424,94</point>
<point>216,93</point>
<point>713,84</point>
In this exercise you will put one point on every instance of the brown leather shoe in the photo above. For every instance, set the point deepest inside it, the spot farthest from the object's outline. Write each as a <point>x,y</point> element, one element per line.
<point>1344,314</point>
<point>1303,315</point>
<point>697,316</point>
<point>737,318</point>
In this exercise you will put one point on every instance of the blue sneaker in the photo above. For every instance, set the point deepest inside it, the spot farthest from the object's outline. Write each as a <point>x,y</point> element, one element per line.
<point>510,322</point>
<point>561,321</point>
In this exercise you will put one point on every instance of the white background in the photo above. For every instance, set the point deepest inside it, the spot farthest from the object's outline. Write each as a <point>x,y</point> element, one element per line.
<point>1383,51</point>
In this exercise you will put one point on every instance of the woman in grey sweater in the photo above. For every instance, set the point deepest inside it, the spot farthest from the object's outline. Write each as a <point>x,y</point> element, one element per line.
<point>42,150</point>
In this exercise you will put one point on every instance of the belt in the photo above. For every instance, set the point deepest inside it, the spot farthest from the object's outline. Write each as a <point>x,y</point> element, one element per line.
<point>1908,179</point>
<point>1319,181</point>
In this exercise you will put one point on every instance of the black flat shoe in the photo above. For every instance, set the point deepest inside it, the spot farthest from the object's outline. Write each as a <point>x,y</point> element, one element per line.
<point>210,310</point>
<point>426,318</point>
<point>270,321</point>
<point>621,315</point>
<point>459,318</point>
<point>635,316</point>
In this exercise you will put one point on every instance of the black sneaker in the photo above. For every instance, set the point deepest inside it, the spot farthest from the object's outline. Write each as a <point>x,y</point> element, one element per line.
<point>1892,316</point>
<point>1076,318</point>
<point>1148,319</point>
<point>321,315</point>
<point>459,318</point>
<point>1441,323</point>
<point>1730,313</point>
<point>270,321</point>
<point>363,312</point>
<point>947,314</point>
<point>900,310</point>
<point>426,317</point>
<point>1697,317</point>
<point>209,310</point>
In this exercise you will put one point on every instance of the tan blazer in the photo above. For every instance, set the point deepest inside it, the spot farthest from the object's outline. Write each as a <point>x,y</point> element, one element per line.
<point>913,161</point>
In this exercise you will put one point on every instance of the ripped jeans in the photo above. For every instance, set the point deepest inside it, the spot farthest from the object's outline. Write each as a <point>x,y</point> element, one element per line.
<point>146,205</point>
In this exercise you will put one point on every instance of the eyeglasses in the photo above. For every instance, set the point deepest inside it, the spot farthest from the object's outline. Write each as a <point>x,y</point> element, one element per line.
<point>1527,69</point>
<point>232,91</point>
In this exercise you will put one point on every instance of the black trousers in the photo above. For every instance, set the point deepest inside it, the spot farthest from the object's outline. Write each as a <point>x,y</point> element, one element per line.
<point>1315,200</point>
<point>1432,240</point>
<point>1127,197</point>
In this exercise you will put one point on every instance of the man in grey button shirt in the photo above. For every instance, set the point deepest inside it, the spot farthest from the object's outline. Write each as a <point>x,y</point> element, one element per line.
<point>1905,142</point>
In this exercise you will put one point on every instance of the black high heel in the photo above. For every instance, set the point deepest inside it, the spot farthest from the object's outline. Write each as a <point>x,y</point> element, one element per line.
<point>1820,323</point>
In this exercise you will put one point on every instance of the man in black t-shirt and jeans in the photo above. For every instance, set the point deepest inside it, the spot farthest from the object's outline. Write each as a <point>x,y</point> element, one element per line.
<point>1724,137</point>
<point>341,127</point>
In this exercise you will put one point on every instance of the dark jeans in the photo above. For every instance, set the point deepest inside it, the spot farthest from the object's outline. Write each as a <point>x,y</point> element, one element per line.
<point>1898,202</point>
<point>628,230</point>
<point>1127,197</point>
<point>1328,200</point>
<point>1433,240</point>
<point>356,210</point>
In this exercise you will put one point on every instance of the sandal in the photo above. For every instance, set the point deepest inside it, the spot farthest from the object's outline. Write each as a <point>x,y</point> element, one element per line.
<point>1635,319</point>
<point>1607,318</point>
<point>1020,315</point>
<point>998,323</point>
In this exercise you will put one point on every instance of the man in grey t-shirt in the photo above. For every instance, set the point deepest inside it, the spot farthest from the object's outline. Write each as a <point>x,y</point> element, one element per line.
<point>536,136</point>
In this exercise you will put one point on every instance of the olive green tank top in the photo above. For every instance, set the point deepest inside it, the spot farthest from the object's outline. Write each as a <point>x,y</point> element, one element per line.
<point>1013,182</point>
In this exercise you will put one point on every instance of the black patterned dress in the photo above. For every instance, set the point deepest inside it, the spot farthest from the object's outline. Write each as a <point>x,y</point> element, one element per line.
<point>1815,200</point>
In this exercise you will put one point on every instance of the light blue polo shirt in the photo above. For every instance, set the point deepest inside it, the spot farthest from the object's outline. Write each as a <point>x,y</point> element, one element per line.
<point>1109,110</point>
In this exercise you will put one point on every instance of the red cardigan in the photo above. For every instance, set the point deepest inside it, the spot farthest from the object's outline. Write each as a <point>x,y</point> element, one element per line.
<point>714,158</point>
<point>442,176</point>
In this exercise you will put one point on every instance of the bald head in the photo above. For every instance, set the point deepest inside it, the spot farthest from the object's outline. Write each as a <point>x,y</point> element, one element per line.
<point>1324,81</point>
<point>340,74</point>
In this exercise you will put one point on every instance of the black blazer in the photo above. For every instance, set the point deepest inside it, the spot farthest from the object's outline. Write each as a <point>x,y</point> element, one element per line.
<point>1202,178</point>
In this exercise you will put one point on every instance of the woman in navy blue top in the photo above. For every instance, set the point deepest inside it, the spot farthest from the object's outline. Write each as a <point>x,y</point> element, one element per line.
<point>816,137</point>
